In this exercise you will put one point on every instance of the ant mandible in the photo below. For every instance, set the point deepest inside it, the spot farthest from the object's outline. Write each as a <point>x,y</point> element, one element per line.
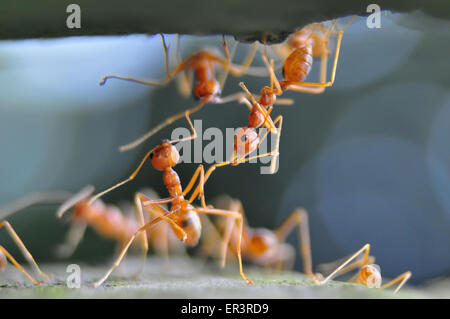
<point>183,216</point>
<point>369,274</point>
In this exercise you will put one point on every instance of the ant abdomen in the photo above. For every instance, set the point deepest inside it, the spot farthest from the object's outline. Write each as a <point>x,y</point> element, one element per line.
<point>298,64</point>
<point>192,227</point>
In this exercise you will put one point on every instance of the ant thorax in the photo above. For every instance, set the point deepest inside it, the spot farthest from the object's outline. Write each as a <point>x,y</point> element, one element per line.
<point>267,97</point>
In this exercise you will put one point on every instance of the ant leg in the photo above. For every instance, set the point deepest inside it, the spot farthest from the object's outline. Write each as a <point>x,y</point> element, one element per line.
<point>222,78</point>
<point>273,165</point>
<point>73,240</point>
<point>273,77</point>
<point>144,240</point>
<point>18,266</point>
<point>234,206</point>
<point>365,248</point>
<point>184,81</point>
<point>299,218</point>
<point>124,251</point>
<point>403,278</point>
<point>22,248</point>
<point>31,199</point>
<point>165,123</point>
<point>200,187</point>
<point>132,176</point>
<point>237,217</point>
<point>146,82</point>
<point>161,213</point>
<point>238,70</point>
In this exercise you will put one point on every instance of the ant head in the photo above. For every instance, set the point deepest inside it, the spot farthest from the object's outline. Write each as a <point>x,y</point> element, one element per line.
<point>245,141</point>
<point>164,156</point>
<point>207,90</point>
<point>267,97</point>
<point>370,276</point>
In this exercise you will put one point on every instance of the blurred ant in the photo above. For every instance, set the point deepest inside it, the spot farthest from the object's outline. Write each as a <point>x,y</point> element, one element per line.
<point>110,221</point>
<point>207,89</point>
<point>265,247</point>
<point>369,274</point>
<point>11,209</point>
<point>183,216</point>
<point>106,220</point>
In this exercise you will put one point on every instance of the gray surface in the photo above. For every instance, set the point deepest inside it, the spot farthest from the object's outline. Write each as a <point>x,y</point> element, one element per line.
<point>187,278</point>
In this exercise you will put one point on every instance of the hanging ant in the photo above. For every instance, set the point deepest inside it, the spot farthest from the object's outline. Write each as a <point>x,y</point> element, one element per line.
<point>369,274</point>
<point>207,89</point>
<point>183,217</point>
<point>299,52</point>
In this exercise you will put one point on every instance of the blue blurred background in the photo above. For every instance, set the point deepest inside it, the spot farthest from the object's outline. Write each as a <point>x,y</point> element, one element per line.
<point>369,159</point>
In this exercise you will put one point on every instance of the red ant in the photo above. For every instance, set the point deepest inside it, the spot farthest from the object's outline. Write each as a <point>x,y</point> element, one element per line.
<point>183,216</point>
<point>304,45</point>
<point>369,274</point>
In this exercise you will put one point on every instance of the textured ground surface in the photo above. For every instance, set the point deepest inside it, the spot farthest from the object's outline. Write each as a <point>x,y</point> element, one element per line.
<point>187,278</point>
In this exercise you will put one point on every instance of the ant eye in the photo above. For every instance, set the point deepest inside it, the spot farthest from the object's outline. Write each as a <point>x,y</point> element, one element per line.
<point>151,155</point>
<point>244,138</point>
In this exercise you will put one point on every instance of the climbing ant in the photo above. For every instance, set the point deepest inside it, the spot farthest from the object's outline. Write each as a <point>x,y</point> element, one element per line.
<point>183,217</point>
